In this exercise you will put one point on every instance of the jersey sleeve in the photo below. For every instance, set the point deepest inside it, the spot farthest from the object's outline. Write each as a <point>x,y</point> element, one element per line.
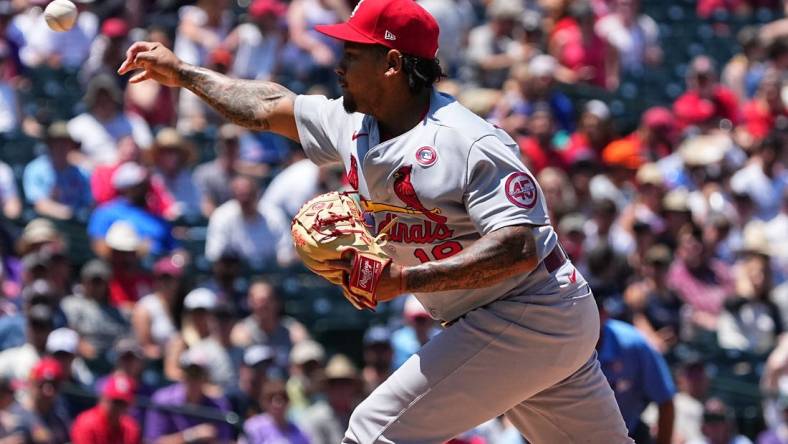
<point>499,190</point>
<point>319,122</point>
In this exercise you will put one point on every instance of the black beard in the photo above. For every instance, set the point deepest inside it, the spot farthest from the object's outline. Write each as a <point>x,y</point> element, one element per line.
<point>349,103</point>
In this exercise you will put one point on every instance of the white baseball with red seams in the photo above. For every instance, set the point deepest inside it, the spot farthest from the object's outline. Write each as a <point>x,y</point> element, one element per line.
<point>450,180</point>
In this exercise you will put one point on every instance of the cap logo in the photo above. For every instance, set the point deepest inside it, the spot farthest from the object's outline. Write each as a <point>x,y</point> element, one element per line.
<point>389,36</point>
<point>356,8</point>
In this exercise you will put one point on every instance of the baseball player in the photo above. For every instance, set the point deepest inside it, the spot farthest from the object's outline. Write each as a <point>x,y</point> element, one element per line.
<point>471,238</point>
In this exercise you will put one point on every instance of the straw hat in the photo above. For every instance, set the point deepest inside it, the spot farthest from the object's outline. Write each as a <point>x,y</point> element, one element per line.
<point>170,138</point>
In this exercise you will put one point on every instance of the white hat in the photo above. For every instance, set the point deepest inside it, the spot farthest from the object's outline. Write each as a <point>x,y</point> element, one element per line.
<point>598,108</point>
<point>62,340</point>
<point>305,351</point>
<point>128,175</point>
<point>258,354</point>
<point>200,298</point>
<point>122,236</point>
<point>542,65</point>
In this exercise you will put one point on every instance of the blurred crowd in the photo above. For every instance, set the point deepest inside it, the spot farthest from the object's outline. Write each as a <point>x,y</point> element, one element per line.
<point>149,291</point>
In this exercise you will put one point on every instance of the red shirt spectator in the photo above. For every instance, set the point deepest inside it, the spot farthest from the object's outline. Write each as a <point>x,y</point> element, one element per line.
<point>760,114</point>
<point>159,200</point>
<point>706,100</point>
<point>576,46</point>
<point>108,422</point>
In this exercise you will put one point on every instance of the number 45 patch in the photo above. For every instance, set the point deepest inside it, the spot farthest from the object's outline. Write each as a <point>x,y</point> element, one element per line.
<point>521,190</point>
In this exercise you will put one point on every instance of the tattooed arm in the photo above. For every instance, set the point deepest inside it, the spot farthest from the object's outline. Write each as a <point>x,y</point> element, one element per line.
<point>496,256</point>
<point>257,105</point>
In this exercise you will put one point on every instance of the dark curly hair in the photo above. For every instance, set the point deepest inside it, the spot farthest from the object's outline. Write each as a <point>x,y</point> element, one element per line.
<point>422,73</point>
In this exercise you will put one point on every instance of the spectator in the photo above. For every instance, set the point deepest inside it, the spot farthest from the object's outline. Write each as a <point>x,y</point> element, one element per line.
<point>539,150</point>
<point>634,35</point>
<point>654,139</point>
<point>307,359</point>
<point>213,178</point>
<point>158,200</point>
<point>273,425</point>
<point>706,101</point>
<point>128,281</point>
<point>133,184</point>
<point>558,191</point>
<point>765,178</point>
<point>154,315</point>
<point>454,20</point>
<point>99,129</point>
<point>16,425</point>
<point>201,335</point>
<point>172,420</point>
<point>744,70</point>
<point>90,314</point>
<point>17,362</point>
<point>69,49</point>
<point>258,43</point>
<point>655,308</point>
<point>130,363</point>
<point>10,109</point>
<point>594,133</point>
<point>378,358</point>
<point>108,422</point>
<point>258,360</point>
<point>228,282</point>
<point>239,226</point>
<point>310,56</point>
<point>578,47</point>
<point>418,329</point>
<point>638,375</point>
<point>107,50</point>
<point>761,114</point>
<point>719,426</point>
<point>172,156</point>
<point>10,202</point>
<point>494,47</point>
<point>692,380</point>
<point>266,325</point>
<point>51,424</point>
<point>63,346</point>
<point>326,421</point>
<point>702,282</point>
<point>751,322</point>
<point>53,185</point>
<point>39,234</point>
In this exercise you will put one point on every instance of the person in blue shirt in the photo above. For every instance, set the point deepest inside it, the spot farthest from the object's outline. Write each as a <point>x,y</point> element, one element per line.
<point>132,182</point>
<point>638,375</point>
<point>55,187</point>
<point>418,329</point>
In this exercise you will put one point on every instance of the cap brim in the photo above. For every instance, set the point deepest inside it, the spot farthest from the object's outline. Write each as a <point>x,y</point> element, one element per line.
<point>345,32</point>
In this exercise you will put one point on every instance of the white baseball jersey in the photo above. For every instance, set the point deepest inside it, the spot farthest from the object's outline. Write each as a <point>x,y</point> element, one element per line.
<point>449,180</point>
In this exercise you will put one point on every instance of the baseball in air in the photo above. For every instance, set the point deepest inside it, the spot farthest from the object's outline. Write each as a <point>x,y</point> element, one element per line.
<point>60,15</point>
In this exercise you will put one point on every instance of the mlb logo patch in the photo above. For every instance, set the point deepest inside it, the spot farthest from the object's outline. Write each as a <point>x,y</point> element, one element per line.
<point>426,156</point>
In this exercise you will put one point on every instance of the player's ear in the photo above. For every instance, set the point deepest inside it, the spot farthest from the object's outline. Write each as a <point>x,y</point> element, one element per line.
<point>393,62</point>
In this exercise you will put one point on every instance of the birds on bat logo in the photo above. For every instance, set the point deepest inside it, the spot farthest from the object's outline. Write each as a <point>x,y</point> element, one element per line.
<point>406,192</point>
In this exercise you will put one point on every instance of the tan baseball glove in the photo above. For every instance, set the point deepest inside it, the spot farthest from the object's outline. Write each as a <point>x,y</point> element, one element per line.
<point>331,227</point>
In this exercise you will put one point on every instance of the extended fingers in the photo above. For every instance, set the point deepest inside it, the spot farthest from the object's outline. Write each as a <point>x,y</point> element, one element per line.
<point>131,56</point>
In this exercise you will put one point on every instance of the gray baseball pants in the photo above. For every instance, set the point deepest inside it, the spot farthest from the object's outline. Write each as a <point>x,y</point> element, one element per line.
<point>532,358</point>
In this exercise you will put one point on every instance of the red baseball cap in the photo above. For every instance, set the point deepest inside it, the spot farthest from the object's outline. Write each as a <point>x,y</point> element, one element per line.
<point>395,24</point>
<point>47,369</point>
<point>119,387</point>
<point>114,28</point>
<point>259,8</point>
